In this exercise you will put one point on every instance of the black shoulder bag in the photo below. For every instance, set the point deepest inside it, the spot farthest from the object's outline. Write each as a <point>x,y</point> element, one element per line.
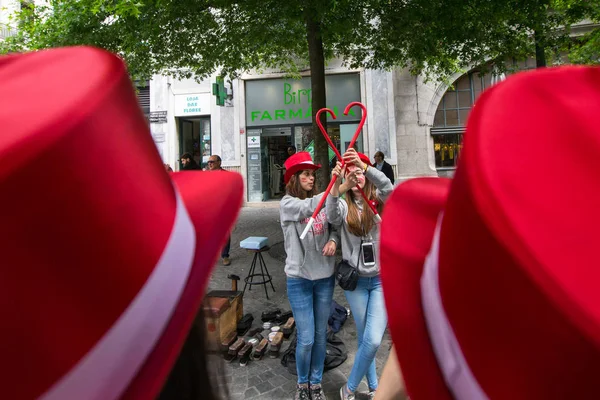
<point>346,274</point>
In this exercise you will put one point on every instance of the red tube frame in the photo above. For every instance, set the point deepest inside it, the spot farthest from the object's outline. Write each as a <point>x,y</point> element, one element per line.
<point>339,156</point>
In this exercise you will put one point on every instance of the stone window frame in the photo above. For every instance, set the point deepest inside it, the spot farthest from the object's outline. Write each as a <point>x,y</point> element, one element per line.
<point>459,99</point>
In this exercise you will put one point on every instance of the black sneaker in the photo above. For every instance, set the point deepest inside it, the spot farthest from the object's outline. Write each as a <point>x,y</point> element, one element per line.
<point>302,392</point>
<point>316,392</point>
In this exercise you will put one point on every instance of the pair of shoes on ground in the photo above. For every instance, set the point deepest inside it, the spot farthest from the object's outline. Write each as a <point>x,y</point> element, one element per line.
<point>315,392</point>
<point>226,261</point>
<point>346,395</point>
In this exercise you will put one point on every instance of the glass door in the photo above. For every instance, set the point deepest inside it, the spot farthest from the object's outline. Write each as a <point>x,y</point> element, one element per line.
<point>188,142</point>
<point>195,139</point>
<point>274,142</point>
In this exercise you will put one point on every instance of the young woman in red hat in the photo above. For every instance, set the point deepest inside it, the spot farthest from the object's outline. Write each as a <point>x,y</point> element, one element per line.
<point>309,267</point>
<point>360,242</point>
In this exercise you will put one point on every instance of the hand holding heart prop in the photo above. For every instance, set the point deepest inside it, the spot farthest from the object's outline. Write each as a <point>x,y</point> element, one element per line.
<point>339,157</point>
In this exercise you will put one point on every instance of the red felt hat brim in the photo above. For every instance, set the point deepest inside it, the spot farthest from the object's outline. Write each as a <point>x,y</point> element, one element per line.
<point>409,221</point>
<point>298,167</point>
<point>213,222</point>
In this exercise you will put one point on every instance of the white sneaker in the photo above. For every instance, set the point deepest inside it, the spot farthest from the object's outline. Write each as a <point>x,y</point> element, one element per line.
<point>344,396</point>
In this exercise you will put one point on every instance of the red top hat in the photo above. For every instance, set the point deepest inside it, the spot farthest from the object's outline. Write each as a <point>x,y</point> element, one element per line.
<point>365,159</point>
<point>491,281</point>
<point>105,256</point>
<point>298,162</point>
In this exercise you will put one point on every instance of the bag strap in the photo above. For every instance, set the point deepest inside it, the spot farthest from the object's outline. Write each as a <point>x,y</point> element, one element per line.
<point>358,258</point>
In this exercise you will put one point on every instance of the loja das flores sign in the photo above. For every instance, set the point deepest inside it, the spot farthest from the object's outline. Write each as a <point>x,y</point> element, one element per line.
<point>289,101</point>
<point>192,104</point>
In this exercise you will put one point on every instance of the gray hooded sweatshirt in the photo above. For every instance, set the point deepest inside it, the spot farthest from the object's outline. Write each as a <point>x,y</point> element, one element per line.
<point>305,258</point>
<point>337,213</point>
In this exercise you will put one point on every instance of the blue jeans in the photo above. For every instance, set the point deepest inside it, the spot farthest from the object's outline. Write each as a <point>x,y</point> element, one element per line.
<point>311,304</point>
<point>368,307</point>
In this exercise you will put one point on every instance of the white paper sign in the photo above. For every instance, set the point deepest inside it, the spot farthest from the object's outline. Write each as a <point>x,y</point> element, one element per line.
<point>253,141</point>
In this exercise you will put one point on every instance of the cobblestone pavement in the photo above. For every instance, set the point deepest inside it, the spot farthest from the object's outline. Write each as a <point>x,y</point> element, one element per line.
<point>267,378</point>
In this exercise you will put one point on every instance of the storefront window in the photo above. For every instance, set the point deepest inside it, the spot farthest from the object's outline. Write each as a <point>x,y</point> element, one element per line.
<point>451,117</point>
<point>447,148</point>
<point>340,135</point>
<point>279,114</point>
<point>453,112</point>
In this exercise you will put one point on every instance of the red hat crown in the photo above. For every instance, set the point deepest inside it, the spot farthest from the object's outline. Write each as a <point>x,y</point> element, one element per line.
<point>516,267</point>
<point>87,214</point>
<point>298,162</point>
<point>365,159</point>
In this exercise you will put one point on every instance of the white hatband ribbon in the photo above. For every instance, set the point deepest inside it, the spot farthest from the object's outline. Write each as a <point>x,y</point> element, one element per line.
<point>454,367</point>
<point>106,371</point>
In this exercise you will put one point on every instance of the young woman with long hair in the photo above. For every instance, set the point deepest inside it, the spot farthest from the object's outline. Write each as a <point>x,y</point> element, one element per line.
<point>309,268</point>
<point>360,242</point>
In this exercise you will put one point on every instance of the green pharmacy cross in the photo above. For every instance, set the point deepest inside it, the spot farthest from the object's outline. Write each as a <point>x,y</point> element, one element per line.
<point>218,90</point>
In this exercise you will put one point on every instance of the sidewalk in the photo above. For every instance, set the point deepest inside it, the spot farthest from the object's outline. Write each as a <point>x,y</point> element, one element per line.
<point>267,378</point>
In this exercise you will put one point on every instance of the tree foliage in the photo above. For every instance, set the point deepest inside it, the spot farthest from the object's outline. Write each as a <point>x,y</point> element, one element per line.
<point>584,49</point>
<point>195,38</point>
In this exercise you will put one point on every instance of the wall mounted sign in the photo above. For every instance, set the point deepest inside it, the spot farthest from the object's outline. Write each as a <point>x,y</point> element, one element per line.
<point>253,142</point>
<point>289,101</point>
<point>192,104</point>
<point>158,117</point>
<point>254,166</point>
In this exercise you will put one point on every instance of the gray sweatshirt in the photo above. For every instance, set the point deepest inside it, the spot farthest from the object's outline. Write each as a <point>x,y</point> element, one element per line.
<point>337,213</point>
<point>305,258</point>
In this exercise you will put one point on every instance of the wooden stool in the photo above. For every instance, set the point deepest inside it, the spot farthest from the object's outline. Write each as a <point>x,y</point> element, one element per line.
<point>264,275</point>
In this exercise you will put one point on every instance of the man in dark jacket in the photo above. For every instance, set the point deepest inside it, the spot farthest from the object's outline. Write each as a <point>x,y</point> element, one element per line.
<point>188,162</point>
<point>383,166</point>
<point>214,164</point>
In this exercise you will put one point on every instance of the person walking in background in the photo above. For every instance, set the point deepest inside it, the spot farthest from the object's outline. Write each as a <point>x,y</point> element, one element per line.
<point>214,164</point>
<point>188,162</point>
<point>360,244</point>
<point>384,166</point>
<point>309,268</point>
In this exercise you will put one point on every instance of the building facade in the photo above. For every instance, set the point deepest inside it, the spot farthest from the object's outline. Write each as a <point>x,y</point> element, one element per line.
<point>417,124</point>
<point>263,116</point>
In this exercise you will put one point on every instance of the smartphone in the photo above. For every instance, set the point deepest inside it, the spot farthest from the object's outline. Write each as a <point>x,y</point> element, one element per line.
<point>368,253</point>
